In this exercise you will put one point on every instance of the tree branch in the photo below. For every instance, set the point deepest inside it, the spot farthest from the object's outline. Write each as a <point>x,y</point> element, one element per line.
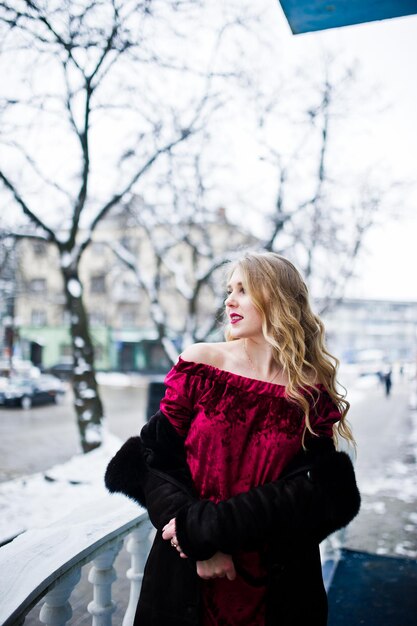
<point>280,217</point>
<point>325,105</point>
<point>118,197</point>
<point>36,169</point>
<point>34,218</point>
<point>21,235</point>
<point>82,194</point>
<point>58,39</point>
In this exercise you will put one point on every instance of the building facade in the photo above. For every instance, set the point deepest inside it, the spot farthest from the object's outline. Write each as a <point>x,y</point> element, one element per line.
<point>358,326</point>
<point>122,317</point>
<point>170,261</point>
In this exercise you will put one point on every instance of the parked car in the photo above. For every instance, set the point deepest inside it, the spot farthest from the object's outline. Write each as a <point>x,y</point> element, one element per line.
<point>63,370</point>
<point>26,392</point>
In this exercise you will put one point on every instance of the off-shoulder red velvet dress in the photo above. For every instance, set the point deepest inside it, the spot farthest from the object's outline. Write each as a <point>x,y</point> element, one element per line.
<point>239,433</point>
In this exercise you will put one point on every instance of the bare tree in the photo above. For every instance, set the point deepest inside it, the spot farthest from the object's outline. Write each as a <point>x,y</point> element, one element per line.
<point>183,282</point>
<point>322,211</point>
<point>94,104</point>
<point>322,236</point>
<point>187,249</point>
<point>7,295</point>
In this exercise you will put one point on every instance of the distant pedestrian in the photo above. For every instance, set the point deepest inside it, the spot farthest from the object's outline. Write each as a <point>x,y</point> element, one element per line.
<point>388,382</point>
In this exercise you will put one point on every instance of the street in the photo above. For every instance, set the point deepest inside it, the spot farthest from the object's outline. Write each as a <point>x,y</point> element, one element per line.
<point>386,472</point>
<point>35,440</point>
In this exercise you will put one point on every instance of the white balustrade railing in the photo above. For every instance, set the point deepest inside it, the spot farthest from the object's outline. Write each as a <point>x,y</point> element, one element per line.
<point>45,564</point>
<point>56,609</point>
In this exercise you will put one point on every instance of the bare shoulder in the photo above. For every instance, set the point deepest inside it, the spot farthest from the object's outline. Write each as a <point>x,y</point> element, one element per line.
<point>207,353</point>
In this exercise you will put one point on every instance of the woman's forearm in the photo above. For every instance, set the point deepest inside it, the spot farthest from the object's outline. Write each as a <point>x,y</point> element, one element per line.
<point>301,506</point>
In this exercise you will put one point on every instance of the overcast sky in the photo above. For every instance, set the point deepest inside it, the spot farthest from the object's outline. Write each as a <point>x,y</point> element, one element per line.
<point>383,133</point>
<point>387,53</point>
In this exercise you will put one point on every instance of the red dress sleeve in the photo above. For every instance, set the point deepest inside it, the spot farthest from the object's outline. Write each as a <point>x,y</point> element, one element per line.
<point>178,403</point>
<point>324,415</point>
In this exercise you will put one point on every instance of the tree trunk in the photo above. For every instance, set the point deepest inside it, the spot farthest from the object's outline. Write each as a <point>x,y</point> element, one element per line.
<point>87,402</point>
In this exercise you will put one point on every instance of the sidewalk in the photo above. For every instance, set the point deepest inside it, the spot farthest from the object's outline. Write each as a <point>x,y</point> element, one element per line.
<point>375,581</point>
<point>386,468</point>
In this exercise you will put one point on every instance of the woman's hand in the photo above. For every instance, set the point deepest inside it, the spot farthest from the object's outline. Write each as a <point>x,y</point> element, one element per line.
<point>169,532</point>
<point>219,566</point>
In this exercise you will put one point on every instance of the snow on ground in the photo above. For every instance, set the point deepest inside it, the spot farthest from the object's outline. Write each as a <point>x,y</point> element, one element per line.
<point>113,379</point>
<point>392,497</point>
<point>400,478</point>
<point>117,379</point>
<point>39,499</point>
<point>400,482</point>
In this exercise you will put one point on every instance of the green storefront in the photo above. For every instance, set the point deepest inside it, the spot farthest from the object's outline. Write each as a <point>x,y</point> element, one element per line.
<point>51,345</point>
<point>125,350</point>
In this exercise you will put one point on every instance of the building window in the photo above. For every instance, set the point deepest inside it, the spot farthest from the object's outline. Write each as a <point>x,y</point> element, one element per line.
<point>65,350</point>
<point>128,318</point>
<point>65,317</point>
<point>98,352</point>
<point>38,286</point>
<point>97,319</point>
<point>38,317</point>
<point>98,284</point>
<point>39,248</point>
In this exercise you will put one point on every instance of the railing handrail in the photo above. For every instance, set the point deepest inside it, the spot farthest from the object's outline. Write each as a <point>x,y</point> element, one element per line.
<point>32,562</point>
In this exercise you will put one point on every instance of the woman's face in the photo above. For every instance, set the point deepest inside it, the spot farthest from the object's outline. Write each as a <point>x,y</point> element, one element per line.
<point>244,318</point>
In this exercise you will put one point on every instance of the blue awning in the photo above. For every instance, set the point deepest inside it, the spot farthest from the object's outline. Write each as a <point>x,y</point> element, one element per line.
<point>309,15</point>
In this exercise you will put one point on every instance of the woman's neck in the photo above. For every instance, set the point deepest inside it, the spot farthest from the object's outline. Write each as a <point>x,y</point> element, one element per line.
<point>260,358</point>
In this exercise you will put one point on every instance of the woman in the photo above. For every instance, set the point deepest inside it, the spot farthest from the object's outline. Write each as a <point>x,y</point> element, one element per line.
<point>238,469</point>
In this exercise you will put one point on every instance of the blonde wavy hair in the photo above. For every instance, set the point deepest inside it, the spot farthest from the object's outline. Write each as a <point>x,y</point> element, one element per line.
<point>295,333</point>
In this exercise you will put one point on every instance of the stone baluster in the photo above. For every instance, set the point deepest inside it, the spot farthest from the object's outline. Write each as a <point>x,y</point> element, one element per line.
<point>56,611</point>
<point>138,545</point>
<point>102,575</point>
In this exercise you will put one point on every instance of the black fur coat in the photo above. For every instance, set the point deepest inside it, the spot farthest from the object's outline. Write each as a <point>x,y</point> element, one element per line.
<point>316,496</point>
